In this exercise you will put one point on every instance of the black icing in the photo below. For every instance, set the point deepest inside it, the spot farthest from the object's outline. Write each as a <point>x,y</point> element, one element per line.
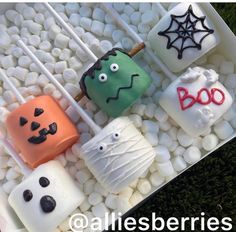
<point>97,66</point>
<point>47,203</point>
<point>123,88</point>
<point>185,31</point>
<point>23,121</point>
<point>44,182</point>
<point>38,111</point>
<point>34,126</point>
<point>43,134</point>
<point>27,195</point>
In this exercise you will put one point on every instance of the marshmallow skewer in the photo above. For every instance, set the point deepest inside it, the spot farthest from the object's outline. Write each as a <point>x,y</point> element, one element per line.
<point>137,38</point>
<point>18,95</point>
<point>161,9</point>
<point>73,103</point>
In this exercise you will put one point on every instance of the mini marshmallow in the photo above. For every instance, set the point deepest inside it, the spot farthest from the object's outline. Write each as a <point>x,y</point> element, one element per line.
<point>61,41</point>
<point>84,206</point>
<point>165,126</point>
<point>165,139</point>
<point>119,6</point>
<point>74,19</point>
<point>128,10</point>
<point>127,191</point>
<point>162,154</point>
<point>138,109</point>
<point>11,14</point>
<point>49,88</point>
<point>45,46</point>
<point>85,11</point>
<point>60,66</point>
<point>31,78</point>
<point>99,189</point>
<point>83,175</point>
<point>156,179</point>
<point>136,119</point>
<point>106,45</point>
<point>11,174</point>
<point>111,201</point>
<point>117,35</point>
<point>135,18</point>
<point>226,67</point>
<point>9,186</point>
<point>34,90</point>
<point>127,43</point>
<point>108,30</point>
<point>100,118</point>
<point>108,19</point>
<point>69,75</point>
<point>48,23</point>
<point>86,23</point>
<point>89,186</point>
<point>160,115</point>
<point>165,169</point>
<point>13,30</point>
<point>143,7</point>
<point>192,155</point>
<point>44,35</point>
<point>150,126</point>
<point>24,61</point>
<point>20,73</point>
<point>65,54</point>
<point>33,27</point>
<point>56,52</point>
<point>28,13</point>
<point>178,163</point>
<point>8,61</point>
<point>223,129</point>
<point>97,27</point>
<point>100,210</point>
<point>151,138</point>
<point>99,14</point>
<point>209,142</point>
<point>184,139</point>
<point>144,186</point>
<point>148,17</point>
<point>72,89</point>
<point>73,115</point>
<point>71,7</point>
<point>150,110</point>
<point>74,63</point>
<point>39,18</point>
<point>143,28</point>
<point>136,198</point>
<point>94,198</point>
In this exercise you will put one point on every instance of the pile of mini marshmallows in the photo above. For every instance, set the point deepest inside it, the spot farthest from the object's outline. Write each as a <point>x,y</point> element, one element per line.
<point>175,150</point>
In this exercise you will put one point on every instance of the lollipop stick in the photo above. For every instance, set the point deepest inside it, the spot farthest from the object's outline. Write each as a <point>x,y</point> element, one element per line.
<point>5,79</point>
<point>161,9</point>
<point>136,49</point>
<point>79,96</point>
<point>12,152</point>
<point>70,99</point>
<point>70,31</point>
<point>137,38</point>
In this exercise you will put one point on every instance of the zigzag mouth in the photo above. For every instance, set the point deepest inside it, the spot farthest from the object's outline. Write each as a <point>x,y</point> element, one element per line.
<point>123,88</point>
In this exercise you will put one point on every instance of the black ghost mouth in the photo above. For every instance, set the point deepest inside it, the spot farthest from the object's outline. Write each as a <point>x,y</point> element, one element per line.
<point>48,204</point>
<point>123,88</point>
<point>43,134</point>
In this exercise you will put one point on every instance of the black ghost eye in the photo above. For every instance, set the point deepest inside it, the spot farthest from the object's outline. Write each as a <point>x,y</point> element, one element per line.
<point>102,147</point>
<point>116,135</point>
<point>34,126</point>
<point>48,204</point>
<point>38,111</point>
<point>27,195</point>
<point>23,121</point>
<point>44,182</point>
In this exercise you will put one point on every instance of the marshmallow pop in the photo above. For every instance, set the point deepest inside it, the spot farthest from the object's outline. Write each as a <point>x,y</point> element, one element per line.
<point>39,128</point>
<point>46,196</point>
<point>117,154</point>
<point>196,100</point>
<point>115,81</point>
<point>183,35</point>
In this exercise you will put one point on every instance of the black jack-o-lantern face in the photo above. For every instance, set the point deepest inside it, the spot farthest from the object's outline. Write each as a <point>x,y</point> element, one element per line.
<point>35,125</point>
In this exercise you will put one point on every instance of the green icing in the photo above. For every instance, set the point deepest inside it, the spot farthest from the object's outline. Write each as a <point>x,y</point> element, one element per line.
<point>122,87</point>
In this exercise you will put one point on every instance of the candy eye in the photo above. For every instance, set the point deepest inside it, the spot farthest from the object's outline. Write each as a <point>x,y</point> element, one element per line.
<point>102,147</point>
<point>102,77</point>
<point>27,195</point>
<point>114,67</point>
<point>116,135</point>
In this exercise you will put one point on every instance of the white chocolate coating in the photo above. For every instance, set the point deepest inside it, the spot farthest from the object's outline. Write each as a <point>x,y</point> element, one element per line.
<point>63,190</point>
<point>169,56</point>
<point>125,156</point>
<point>198,118</point>
<point>9,222</point>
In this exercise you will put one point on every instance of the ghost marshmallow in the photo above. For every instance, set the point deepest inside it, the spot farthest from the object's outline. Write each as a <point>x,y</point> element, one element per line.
<point>118,155</point>
<point>41,130</point>
<point>115,82</point>
<point>196,100</point>
<point>183,35</point>
<point>45,198</point>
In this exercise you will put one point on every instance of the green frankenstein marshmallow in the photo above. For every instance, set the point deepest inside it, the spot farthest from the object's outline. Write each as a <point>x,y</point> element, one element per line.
<point>114,82</point>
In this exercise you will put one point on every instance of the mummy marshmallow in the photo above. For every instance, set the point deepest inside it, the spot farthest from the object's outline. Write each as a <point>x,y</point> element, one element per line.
<point>40,130</point>
<point>196,100</point>
<point>117,155</point>
<point>183,35</point>
<point>45,198</point>
<point>114,82</point>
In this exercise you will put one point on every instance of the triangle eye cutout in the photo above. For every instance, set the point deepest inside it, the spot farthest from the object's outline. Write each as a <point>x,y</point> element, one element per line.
<point>38,111</point>
<point>23,121</point>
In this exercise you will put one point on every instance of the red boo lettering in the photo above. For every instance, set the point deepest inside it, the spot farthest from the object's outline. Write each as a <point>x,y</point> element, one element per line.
<point>184,95</point>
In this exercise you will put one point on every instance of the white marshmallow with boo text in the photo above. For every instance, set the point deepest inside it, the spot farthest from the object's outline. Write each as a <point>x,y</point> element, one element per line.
<point>196,100</point>
<point>60,189</point>
<point>205,40</point>
<point>117,155</point>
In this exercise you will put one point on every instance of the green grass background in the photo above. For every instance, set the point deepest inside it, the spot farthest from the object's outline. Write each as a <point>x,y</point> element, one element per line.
<point>210,185</point>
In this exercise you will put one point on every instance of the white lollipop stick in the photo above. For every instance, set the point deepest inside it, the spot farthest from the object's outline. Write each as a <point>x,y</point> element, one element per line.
<point>70,99</point>
<point>161,9</point>
<point>137,38</point>
<point>5,79</point>
<point>70,31</point>
<point>12,152</point>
